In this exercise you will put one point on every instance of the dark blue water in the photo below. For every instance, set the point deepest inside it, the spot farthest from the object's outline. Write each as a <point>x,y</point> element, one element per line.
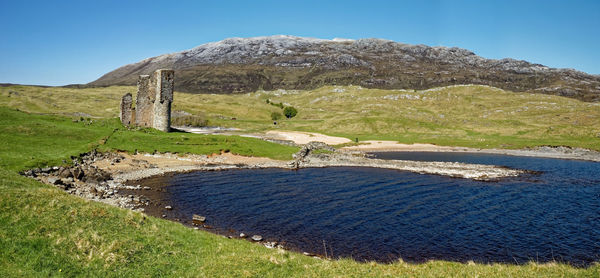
<point>383,215</point>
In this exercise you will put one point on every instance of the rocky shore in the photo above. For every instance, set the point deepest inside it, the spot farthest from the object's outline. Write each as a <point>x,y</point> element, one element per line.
<point>112,177</point>
<point>305,159</point>
<point>559,152</point>
<point>103,176</point>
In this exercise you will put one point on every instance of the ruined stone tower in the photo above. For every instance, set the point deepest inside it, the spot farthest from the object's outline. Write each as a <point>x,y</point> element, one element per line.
<point>153,102</point>
<point>163,80</point>
<point>144,102</point>
<point>126,110</point>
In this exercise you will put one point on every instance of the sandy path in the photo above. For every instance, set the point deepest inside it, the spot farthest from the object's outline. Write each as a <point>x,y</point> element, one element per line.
<point>376,145</point>
<point>302,138</point>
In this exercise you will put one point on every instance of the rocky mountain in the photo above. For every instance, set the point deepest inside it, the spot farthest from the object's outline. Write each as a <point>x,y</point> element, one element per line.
<point>239,65</point>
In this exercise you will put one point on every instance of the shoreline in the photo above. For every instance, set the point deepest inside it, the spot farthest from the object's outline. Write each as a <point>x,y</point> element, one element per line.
<point>100,176</point>
<point>117,178</point>
<point>560,152</point>
<point>299,138</point>
<point>106,173</point>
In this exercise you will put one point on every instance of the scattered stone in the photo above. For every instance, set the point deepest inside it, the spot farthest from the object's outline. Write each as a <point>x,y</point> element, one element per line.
<point>147,188</point>
<point>54,180</point>
<point>164,216</point>
<point>168,207</point>
<point>197,219</point>
<point>257,238</point>
<point>65,173</point>
<point>46,169</point>
<point>270,244</point>
<point>77,173</point>
<point>242,235</point>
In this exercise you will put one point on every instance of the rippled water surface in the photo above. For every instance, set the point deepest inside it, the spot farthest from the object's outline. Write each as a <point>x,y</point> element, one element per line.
<point>383,215</point>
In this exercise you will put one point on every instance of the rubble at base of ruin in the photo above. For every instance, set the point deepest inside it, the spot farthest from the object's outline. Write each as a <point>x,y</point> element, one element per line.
<point>153,101</point>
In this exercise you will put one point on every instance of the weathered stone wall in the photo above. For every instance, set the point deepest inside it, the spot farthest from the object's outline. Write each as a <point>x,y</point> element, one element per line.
<point>126,110</point>
<point>163,82</point>
<point>144,104</point>
<point>153,103</point>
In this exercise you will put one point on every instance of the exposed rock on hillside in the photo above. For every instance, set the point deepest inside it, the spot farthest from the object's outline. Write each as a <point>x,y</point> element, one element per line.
<point>238,65</point>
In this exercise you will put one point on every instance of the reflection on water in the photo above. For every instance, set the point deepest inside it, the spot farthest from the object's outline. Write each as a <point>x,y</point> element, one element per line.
<point>383,215</point>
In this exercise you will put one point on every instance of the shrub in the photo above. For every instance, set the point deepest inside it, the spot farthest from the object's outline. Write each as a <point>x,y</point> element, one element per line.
<point>276,116</point>
<point>290,112</point>
<point>190,120</point>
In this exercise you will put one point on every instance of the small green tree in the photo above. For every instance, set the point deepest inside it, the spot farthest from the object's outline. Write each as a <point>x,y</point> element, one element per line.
<point>290,112</point>
<point>276,116</point>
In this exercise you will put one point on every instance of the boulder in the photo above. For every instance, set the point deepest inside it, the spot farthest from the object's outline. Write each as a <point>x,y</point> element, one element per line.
<point>95,175</point>
<point>65,173</point>
<point>54,180</point>
<point>197,219</point>
<point>257,238</point>
<point>77,173</point>
<point>270,244</point>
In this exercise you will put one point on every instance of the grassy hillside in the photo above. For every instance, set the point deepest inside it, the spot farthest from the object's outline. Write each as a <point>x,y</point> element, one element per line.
<point>471,116</point>
<point>46,232</point>
<point>29,140</point>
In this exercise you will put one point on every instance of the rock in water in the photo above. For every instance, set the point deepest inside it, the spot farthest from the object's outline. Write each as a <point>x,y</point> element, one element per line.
<point>257,238</point>
<point>168,207</point>
<point>197,219</point>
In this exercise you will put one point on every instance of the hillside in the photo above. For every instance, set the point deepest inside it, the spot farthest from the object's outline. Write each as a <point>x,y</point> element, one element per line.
<point>240,65</point>
<point>470,115</point>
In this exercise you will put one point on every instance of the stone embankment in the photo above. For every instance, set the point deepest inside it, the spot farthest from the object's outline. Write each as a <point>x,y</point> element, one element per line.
<point>305,158</point>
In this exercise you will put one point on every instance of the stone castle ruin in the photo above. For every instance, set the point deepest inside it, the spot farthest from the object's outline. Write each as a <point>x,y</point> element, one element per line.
<point>153,102</point>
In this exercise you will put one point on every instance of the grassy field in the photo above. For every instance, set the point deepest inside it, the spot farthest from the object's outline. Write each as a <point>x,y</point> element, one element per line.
<point>47,232</point>
<point>29,140</point>
<point>470,116</point>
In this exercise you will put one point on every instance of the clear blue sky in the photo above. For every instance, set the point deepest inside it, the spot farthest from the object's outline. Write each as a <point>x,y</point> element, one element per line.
<point>63,42</point>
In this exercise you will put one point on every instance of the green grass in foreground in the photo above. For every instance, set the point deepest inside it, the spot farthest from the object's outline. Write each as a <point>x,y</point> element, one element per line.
<point>46,232</point>
<point>469,116</point>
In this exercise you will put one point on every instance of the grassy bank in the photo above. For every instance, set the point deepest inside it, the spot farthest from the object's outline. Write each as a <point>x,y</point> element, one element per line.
<point>46,232</point>
<point>29,140</point>
<point>470,116</point>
